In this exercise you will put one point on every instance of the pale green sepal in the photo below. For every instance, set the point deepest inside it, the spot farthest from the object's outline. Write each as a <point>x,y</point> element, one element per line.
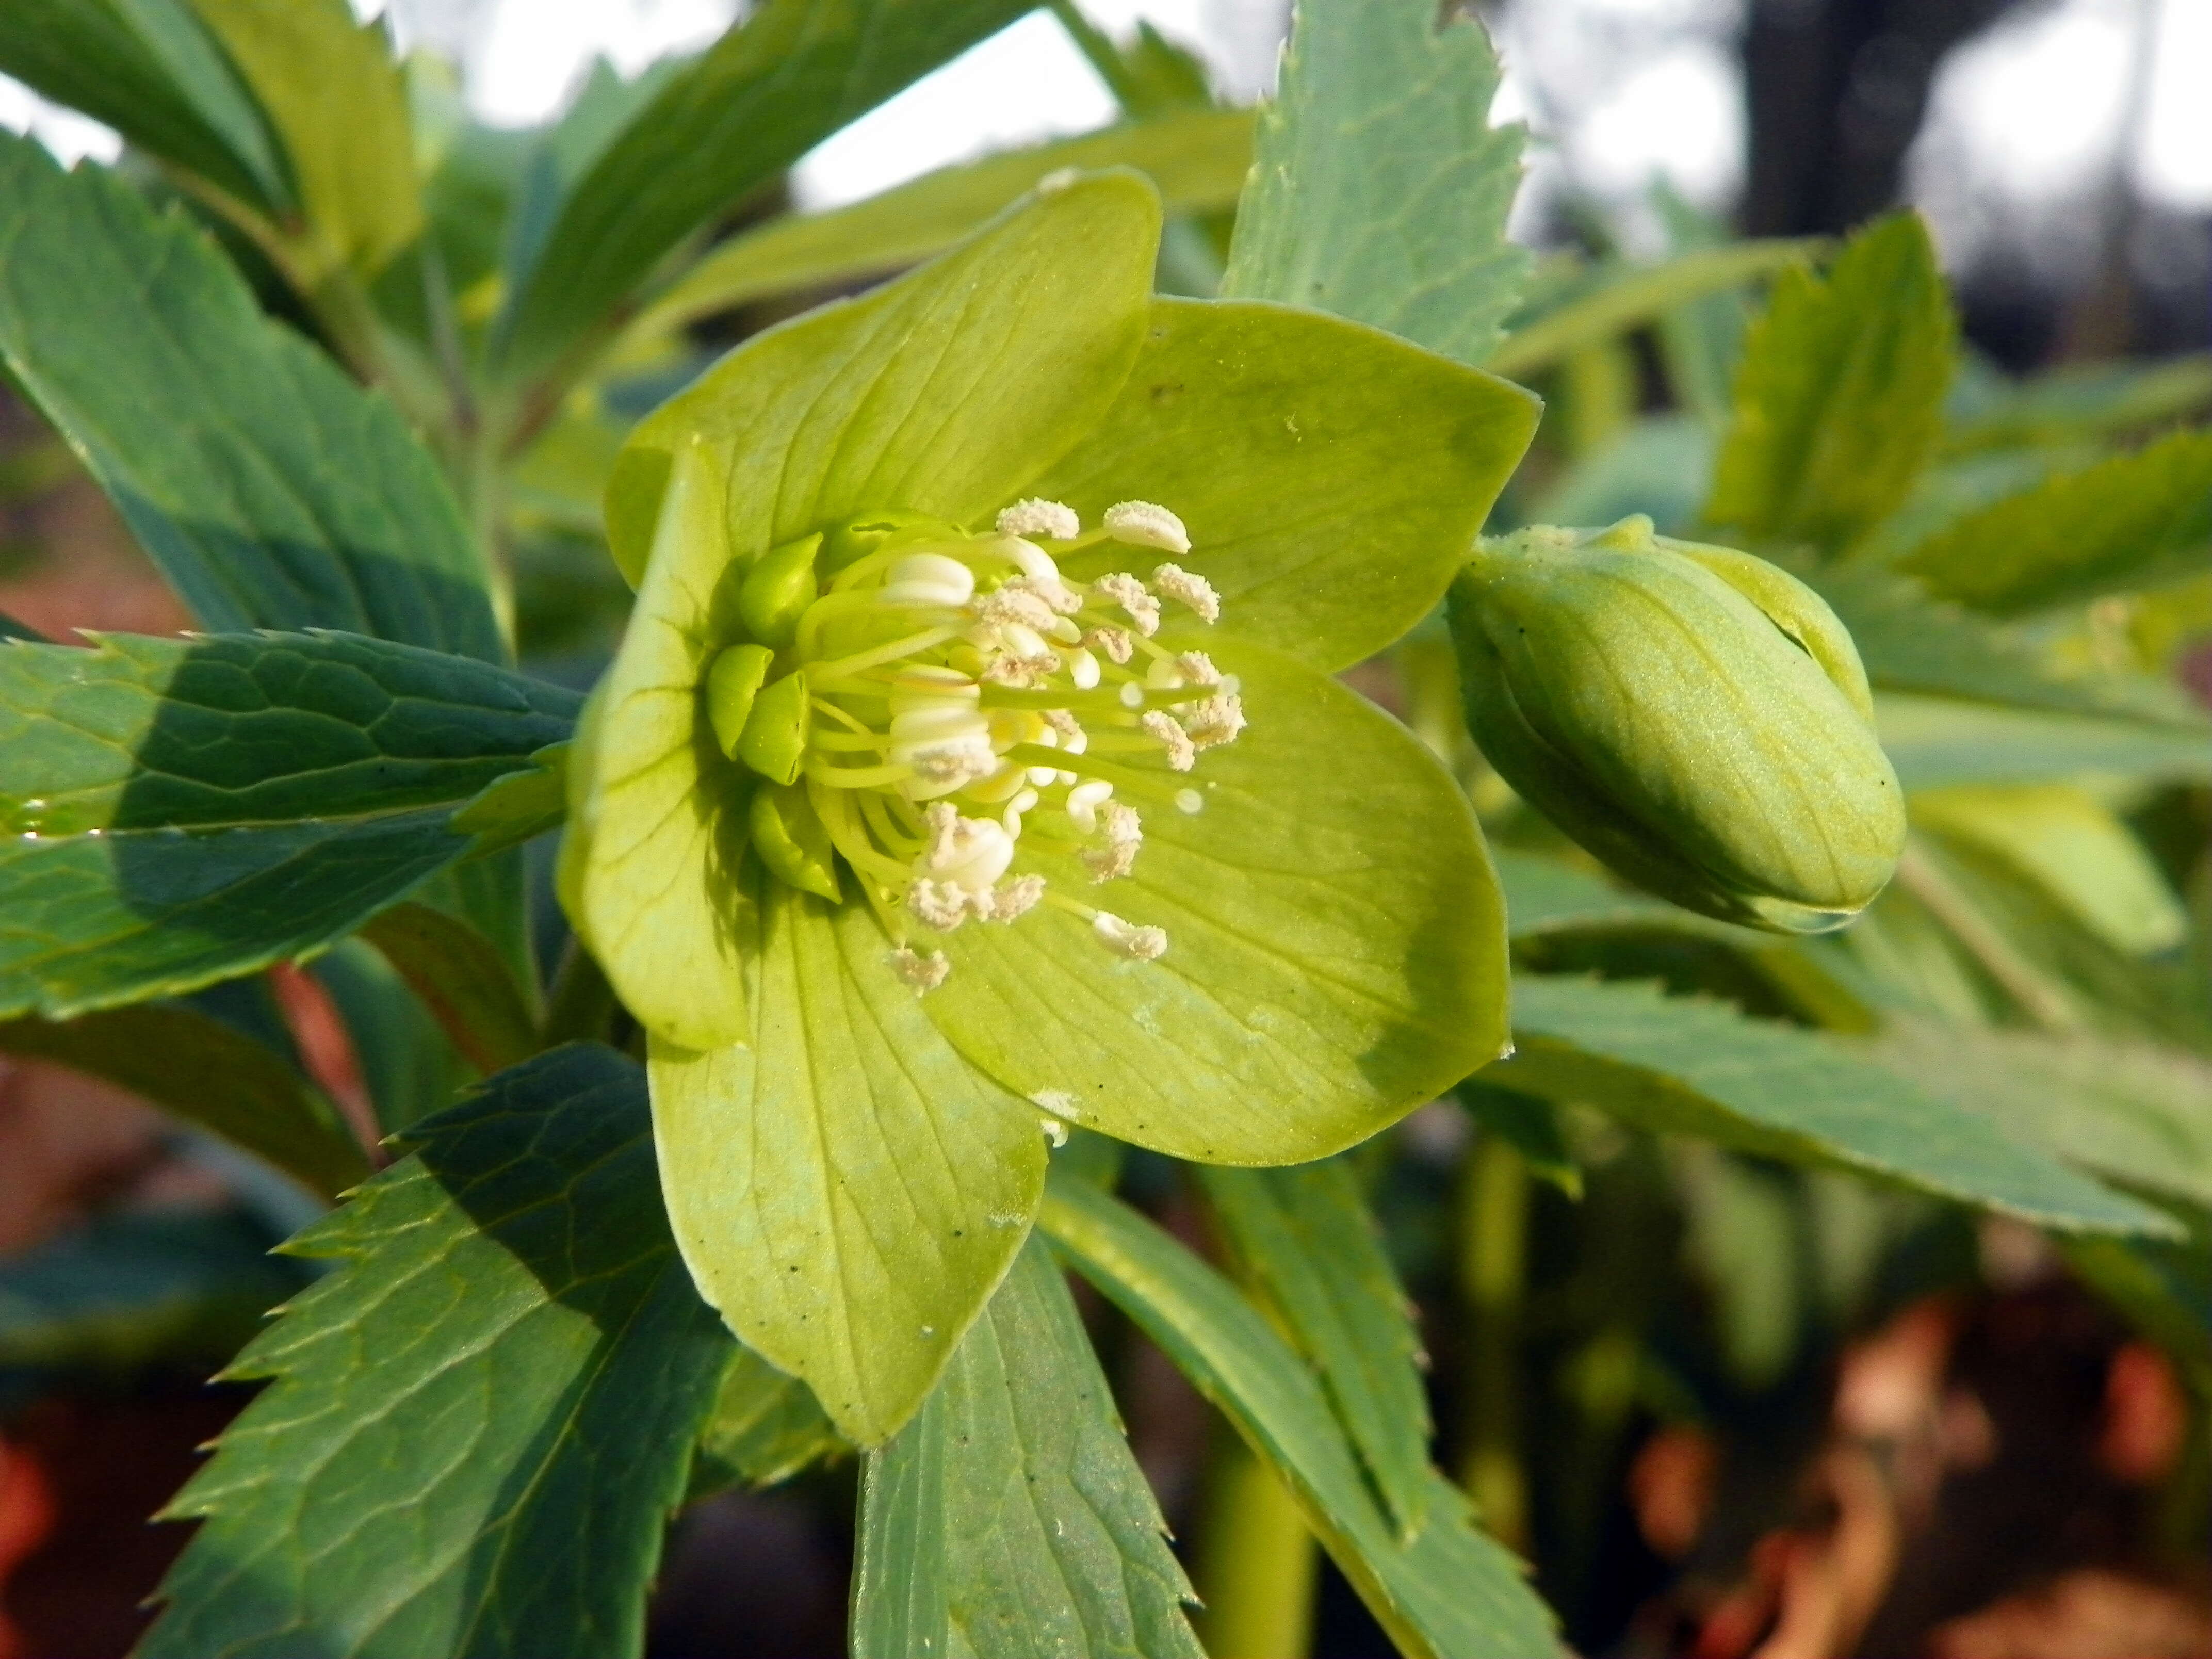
<point>844,1188</point>
<point>1332,477</point>
<point>1335,954</point>
<point>656,824</point>
<point>942,393</point>
<point>1792,606</point>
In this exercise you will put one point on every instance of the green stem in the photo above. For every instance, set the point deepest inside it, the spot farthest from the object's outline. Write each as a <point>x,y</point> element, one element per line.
<point>1493,1271</point>
<point>1920,873</point>
<point>1254,1565</point>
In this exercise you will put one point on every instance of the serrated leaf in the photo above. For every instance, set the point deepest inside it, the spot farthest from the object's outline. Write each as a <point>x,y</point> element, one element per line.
<point>1380,189</point>
<point>764,1427</point>
<point>178,812</point>
<point>520,806</point>
<point>334,96</point>
<point>271,490</point>
<point>1198,158</point>
<point>789,76</point>
<point>1452,1591</point>
<point>1686,1065</point>
<point>457,974</point>
<point>2130,522</point>
<point>507,1369</point>
<point>1008,1520</point>
<point>1937,741</point>
<point>2136,1111</point>
<point>147,69</point>
<point>1840,397</point>
<point>206,1073</point>
<point>1305,1239</point>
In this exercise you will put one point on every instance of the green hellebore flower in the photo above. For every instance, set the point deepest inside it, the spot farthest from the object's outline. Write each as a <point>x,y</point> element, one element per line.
<point>1692,715</point>
<point>971,767</point>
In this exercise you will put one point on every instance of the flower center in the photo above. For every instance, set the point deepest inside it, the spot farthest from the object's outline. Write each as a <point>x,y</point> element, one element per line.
<point>927,705</point>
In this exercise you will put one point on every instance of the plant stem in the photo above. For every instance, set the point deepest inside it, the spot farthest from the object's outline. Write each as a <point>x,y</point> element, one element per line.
<point>1920,874</point>
<point>1254,1563</point>
<point>1492,1265</point>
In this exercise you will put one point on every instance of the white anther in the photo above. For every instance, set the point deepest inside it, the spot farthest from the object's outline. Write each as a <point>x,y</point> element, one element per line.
<point>1025,644</point>
<point>936,904</point>
<point>923,973</point>
<point>1124,835</point>
<point>1062,724</point>
<point>1002,785</point>
<point>1127,939</point>
<point>1055,1131</point>
<point>970,853</point>
<point>1198,668</point>
<point>936,721</point>
<point>1139,606</point>
<point>1217,720</point>
<point>1012,817</point>
<point>1035,517</point>
<point>1057,180</point>
<point>1115,643</point>
<point>1015,672</point>
<point>1162,675</point>
<point>928,579</point>
<point>1014,604</point>
<point>1182,753</point>
<point>1132,695</point>
<point>919,682</point>
<point>1191,589</point>
<point>1064,631</point>
<point>1017,898</point>
<point>1190,802</point>
<point>1084,800</point>
<point>939,768</point>
<point>1143,524</point>
<point>1083,669</point>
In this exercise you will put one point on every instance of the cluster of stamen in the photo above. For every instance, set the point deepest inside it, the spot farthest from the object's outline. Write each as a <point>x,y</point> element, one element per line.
<point>970,704</point>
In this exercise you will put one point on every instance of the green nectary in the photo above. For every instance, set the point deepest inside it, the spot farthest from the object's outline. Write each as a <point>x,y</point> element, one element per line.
<point>1694,716</point>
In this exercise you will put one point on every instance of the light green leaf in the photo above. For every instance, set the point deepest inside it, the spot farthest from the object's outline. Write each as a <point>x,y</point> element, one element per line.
<point>1305,456</point>
<point>520,806</point>
<point>208,1073</point>
<point>1335,954</point>
<point>1637,297</point>
<point>332,92</point>
<point>1008,1520</point>
<point>508,1369</point>
<point>1658,466</point>
<point>1938,741</point>
<point>2138,1112</point>
<point>764,1429</point>
<point>147,69</point>
<point>178,812</point>
<point>1452,1591</point>
<point>272,491</point>
<point>1380,189</point>
<point>2067,405</point>
<point>462,983</point>
<point>1305,1241</point>
<point>1686,1065</point>
<point>846,1190</point>
<point>2131,522</point>
<point>1198,159</point>
<point>1839,399</point>
<point>1546,895</point>
<point>776,85</point>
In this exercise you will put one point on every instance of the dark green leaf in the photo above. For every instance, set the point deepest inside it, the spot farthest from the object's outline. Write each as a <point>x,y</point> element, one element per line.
<point>461,981</point>
<point>1686,1065</point>
<point>178,812</point>
<point>480,1421</point>
<point>1452,1591</point>
<point>272,490</point>
<point>2131,522</point>
<point>1546,895</point>
<point>1305,1239</point>
<point>775,86</point>
<point>410,1067</point>
<point>1839,399</point>
<point>1008,1520</point>
<point>148,69</point>
<point>764,1427</point>
<point>1531,1127</point>
<point>1380,189</point>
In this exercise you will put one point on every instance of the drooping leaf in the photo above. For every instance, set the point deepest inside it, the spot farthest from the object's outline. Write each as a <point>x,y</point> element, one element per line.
<point>1304,1239</point>
<point>1686,1065</point>
<point>461,981</point>
<point>181,811</point>
<point>1451,1591</point>
<point>1008,1520</point>
<point>2083,400</point>
<point>335,98</point>
<point>1198,158</point>
<point>209,1074</point>
<point>147,69</point>
<point>847,1190</point>
<point>508,1369</point>
<point>1380,189</point>
<point>764,1428</point>
<point>1839,399</point>
<point>271,490</point>
<point>787,76</point>
<point>2131,522</point>
<point>1938,741</point>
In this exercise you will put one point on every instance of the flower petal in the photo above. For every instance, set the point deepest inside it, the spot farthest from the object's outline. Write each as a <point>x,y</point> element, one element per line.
<point>656,829</point>
<point>846,1190</point>
<point>1332,477</point>
<point>1336,947</point>
<point>943,392</point>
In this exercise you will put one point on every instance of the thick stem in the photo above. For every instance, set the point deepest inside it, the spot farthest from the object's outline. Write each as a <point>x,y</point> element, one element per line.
<point>1255,1565</point>
<point>1493,1230</point>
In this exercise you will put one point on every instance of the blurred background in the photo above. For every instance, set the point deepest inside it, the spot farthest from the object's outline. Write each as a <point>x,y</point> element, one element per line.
<point>1752,1404</point>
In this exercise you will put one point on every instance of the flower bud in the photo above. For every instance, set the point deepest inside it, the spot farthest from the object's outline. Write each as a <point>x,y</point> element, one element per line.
<point>1695,717</point>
